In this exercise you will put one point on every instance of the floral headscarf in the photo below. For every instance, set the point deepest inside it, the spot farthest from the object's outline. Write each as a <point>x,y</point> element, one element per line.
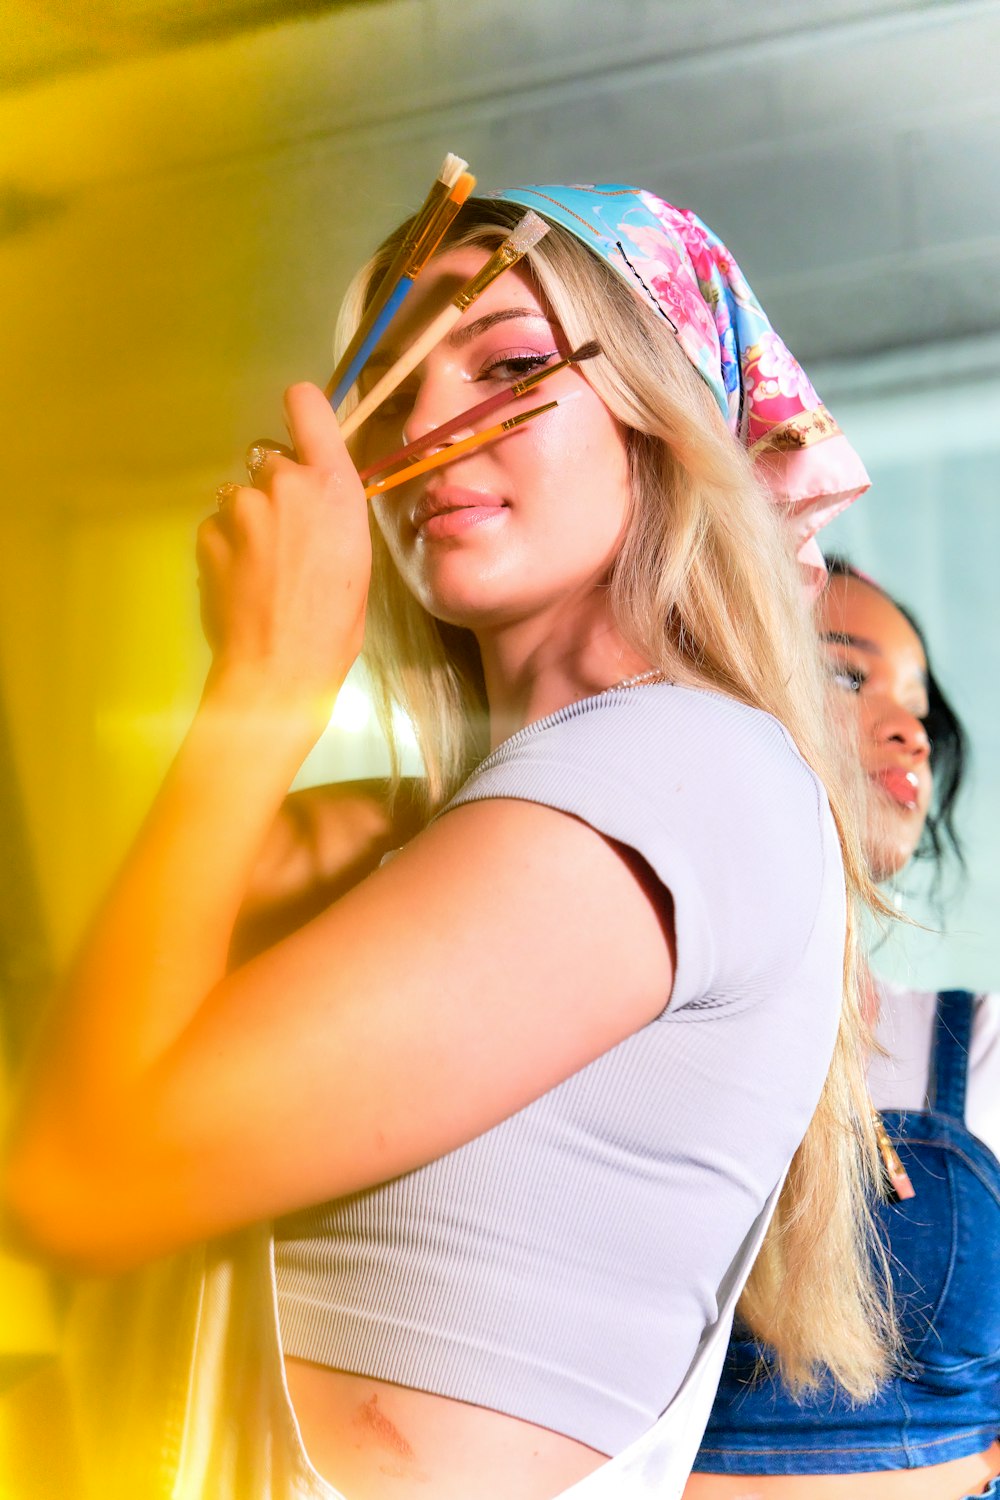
<point>674,261</point>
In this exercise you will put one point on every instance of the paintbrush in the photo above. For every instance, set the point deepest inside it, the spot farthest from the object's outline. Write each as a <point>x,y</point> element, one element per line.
<point>429,243</point>
<point>454,450</point>
<point>527,233</point>
<point>412,451</point>
<point>452,173</point>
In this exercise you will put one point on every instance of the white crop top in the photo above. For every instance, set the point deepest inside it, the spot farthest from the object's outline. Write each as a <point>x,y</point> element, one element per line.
<point>562,1266</point>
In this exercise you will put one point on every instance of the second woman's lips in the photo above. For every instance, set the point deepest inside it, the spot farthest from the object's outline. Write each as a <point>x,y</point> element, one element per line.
<point>903,786</point>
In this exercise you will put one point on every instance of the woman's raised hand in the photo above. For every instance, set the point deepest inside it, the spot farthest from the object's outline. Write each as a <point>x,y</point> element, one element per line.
<point>284,567</point>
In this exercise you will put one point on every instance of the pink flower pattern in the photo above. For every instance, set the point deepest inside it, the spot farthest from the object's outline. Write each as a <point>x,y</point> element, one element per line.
<point>670,258</point>
<point>774,359</point>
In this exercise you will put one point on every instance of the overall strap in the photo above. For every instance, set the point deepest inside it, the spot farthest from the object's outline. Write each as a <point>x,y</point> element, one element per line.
<point>950,1067</point>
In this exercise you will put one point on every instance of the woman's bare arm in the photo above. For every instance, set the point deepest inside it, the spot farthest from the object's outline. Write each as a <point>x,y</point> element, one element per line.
<point>506,947</point>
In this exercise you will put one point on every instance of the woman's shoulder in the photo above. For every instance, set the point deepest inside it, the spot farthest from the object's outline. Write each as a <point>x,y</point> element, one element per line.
<point>694,763</point>
<point>659,729</point>
<point>982,1106</point>
<point>718,804</point>
<point>986,1027</point>
<point>905,1011</point>
<point>900,1077</point>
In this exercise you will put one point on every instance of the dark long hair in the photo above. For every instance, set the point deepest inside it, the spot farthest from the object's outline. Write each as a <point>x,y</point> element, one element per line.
<point>949,744</point>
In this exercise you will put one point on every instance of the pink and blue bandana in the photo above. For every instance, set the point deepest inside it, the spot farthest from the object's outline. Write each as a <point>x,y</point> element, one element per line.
<point>674,262</point>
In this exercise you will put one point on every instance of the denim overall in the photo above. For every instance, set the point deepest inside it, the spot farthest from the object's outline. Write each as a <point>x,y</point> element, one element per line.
<point>945,1258</point>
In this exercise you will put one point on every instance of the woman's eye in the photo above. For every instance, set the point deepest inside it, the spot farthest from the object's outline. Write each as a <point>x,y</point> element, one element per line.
<point>511,366</point>
<point>848,678</point>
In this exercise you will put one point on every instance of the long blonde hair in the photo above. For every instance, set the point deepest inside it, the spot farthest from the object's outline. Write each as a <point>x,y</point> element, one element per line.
<point>705,588</point>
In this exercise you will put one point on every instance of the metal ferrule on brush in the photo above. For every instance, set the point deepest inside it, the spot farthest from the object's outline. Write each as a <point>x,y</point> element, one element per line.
<point>451,170</point>
<point>420,225</point>
<point>526,416</point>
<point>434,234</point>
<point>522,387</point>
<point>515,246</point>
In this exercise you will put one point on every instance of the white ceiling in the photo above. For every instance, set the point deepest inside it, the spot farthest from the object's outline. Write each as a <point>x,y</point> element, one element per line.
<point>184,188</point>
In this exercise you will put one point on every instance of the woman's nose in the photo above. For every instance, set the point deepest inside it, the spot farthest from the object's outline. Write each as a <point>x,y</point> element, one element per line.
<point>896,725</point>
<point>435,402</point>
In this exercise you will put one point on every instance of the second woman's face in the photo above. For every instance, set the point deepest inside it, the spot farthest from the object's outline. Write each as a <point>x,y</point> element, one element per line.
<point>525,525</point>
<point>879,663</point>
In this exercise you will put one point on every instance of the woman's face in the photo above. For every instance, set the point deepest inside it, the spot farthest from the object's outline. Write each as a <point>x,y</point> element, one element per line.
<point>526,524</point>
<point>878,661</point>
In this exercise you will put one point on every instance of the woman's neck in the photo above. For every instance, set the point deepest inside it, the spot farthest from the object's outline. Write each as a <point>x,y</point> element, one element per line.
<point>535,667</point>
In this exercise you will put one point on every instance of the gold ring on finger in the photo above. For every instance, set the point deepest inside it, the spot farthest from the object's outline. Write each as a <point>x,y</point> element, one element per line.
<point>258,454</point>
<point>225,493</point>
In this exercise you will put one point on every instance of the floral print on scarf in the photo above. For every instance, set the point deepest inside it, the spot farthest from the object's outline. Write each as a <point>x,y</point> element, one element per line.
<point>673,261</point>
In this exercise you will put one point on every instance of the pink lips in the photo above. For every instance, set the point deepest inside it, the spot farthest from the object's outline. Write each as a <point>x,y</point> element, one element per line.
<point>448,510</point>
<point>902,786</point>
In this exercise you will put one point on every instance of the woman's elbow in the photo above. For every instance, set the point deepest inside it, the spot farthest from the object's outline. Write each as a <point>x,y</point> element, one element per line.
<point>53,1212</point>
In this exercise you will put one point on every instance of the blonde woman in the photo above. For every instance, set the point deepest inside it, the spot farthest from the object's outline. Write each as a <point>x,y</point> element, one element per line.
<point>545,1070</point>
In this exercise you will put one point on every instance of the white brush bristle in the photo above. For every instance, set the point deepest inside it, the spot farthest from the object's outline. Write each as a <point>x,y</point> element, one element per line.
<point>451,170</point>
<point>528,232</point>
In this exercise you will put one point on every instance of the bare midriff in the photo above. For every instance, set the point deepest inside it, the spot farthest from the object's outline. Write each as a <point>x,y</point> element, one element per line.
<point>949,1481</point>
<point>376,1441</point>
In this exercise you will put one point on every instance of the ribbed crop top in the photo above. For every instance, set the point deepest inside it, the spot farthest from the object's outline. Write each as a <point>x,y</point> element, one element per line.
<point>562,1266</point>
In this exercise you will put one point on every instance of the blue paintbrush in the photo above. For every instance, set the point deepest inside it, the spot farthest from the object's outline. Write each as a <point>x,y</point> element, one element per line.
<point>450,190</point>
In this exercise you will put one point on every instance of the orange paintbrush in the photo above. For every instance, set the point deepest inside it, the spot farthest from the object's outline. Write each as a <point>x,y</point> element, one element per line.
<point>453,451</point>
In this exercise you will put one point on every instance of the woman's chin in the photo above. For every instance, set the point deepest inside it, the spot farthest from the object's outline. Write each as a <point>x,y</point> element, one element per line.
<point>888,857</point>
<point>475,603</point>
<point>892,836</point>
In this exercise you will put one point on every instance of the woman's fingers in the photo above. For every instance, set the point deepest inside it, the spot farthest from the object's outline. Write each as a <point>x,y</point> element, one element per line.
<point>259,454</point>
<point>285,560</point>
<point>314,430</point>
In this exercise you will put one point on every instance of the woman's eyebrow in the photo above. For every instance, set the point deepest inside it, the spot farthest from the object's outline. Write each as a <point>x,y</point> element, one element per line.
<point>859,642</point>
<point>384,359</point>
<point>862,643</point>
<point>465,332</point>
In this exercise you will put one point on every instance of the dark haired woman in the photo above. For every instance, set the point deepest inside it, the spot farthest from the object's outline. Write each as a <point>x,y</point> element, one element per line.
<point>932,1432</point>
